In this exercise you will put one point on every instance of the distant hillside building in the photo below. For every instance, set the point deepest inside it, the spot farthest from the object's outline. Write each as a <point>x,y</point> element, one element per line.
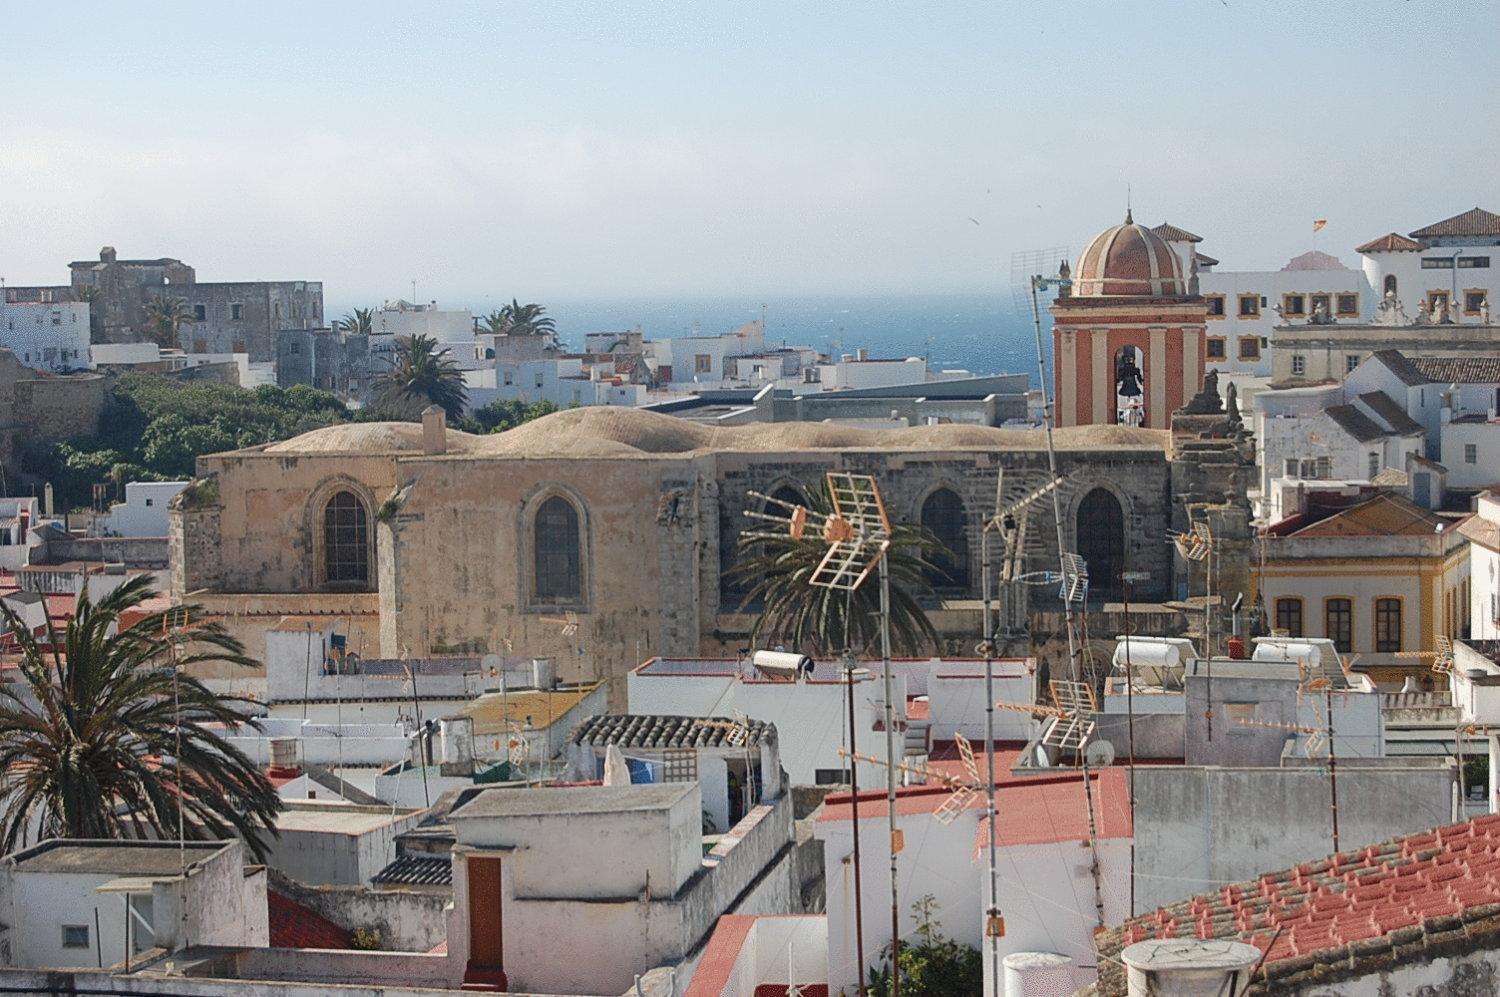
<point>226,317</point>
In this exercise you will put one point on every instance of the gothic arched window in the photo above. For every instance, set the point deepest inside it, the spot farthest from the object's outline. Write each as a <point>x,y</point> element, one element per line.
<point>346,540</point>
<point>558,565</point>
<point>943,514</point>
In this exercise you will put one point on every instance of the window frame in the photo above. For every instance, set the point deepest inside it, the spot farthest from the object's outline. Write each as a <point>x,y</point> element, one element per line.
<point>1254,310</point>
<point>1299,364</point>
<point>1210,342</point>
<point>1338,302</point>
<point>536,600</point>
<point>1209,300</point>
<point>1288,299</point>
<point>1253,351</point>
<point>1282,612</point>
<point>1351,361</point>
<point>703,363</point>
<point>87,942</point>
<point>1346,629</point>
<point>1471,453</point>
<point>1433,297</point>
<point>1479,294</point>
<point>357,511</point>
<point>1387,608</point>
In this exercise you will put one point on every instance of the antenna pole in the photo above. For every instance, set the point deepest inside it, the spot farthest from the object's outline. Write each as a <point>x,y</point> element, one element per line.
<point>859,907</point>
<point>1127,576</point>
<point>890,782</point>
<point>992,914</point>
<point>1333,761</point>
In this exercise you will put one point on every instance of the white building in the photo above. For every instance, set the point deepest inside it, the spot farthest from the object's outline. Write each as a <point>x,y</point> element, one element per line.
<point>402,318</point>
<point>935,698</point>
<point>564,380</point>
<point>1483,531</point>
<point>1046,890</point>
<point>17,518</point>
<point>143,513</point>
<point>333,843</point>
<point>47,335</point>
<point>80,903</point>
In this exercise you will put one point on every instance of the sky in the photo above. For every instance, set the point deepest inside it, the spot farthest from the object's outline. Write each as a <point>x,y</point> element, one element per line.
<point>568,150</point>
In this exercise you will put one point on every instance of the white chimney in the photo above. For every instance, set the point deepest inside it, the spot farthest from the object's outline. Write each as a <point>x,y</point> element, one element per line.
<point>283,752</point>
<point>1410,685</point>
<point>457,734</point>
<point>1189,967</point>
<point>862,354</point>
<point>434,430</point>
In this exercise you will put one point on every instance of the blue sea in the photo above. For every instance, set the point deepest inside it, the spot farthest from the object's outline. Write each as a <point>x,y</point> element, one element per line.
<point>978,333</point>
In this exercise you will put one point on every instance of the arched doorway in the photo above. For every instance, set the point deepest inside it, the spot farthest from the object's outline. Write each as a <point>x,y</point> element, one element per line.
<point>1390,284</point>
<point>1101,540</point>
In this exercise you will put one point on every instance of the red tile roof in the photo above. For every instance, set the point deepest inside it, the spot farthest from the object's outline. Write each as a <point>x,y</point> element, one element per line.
<point>1421,888</point>
<point>294,926</point>
<point>1035,809</point>
<point>1390,243</point>
<point>1475,221</point>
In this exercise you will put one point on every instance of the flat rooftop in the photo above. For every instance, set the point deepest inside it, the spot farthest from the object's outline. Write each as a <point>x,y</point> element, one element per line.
<point>113,858</point>
<point>335,818</point>
<point>552,801</point>
<point>827,670</point>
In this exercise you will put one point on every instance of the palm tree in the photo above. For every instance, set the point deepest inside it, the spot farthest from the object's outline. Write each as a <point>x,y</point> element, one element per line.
<point>802,616</point>
<point>528,320</point>
<point>360,321</point>
<point>91,734</point>
<point>419,376</point>
<point>165,317</point>
<point>497,323</point>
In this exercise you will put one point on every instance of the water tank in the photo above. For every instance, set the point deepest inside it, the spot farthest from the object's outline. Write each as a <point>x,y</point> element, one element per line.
<point>542,674</point>
<point>1147,652</point>
<point>1037,974</point>
<point>1189,967</point>
<point>782,665</point>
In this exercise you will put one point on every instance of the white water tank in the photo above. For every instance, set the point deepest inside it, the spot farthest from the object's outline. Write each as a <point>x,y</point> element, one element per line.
<point>1037,974</point>
<point>542,673</point>
<point>1189,967</point>
<point>782,665</point>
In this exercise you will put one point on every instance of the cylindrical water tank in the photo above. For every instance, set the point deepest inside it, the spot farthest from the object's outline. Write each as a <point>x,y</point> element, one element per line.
<point>782,664</point>
<point>1148,652</point>
<point>1037,974</point>
<point>1188,967</point>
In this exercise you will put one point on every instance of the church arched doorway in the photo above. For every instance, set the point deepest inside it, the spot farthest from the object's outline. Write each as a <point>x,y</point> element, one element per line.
<point>1101,540</point>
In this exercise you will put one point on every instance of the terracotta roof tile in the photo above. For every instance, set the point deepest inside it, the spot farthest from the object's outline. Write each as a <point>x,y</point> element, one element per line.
<point>1390,243</point>
<point>1475,221</point>
<point>1425,889</point>
<point>294,926</point>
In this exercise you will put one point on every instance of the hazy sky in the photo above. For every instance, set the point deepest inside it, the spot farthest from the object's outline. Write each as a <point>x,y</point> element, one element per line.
<point>614,149</point>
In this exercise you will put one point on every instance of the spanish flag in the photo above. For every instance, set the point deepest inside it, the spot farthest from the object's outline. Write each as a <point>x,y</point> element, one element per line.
<point>1318,224</point>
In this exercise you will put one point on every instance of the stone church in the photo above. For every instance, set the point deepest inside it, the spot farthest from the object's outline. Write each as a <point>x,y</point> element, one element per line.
<point>602,536</point>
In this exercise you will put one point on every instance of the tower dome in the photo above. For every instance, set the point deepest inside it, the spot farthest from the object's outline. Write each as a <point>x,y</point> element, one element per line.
<point>1128,261</point>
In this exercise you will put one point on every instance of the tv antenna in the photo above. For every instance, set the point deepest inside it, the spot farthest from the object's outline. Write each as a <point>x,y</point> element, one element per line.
<point>963,791</point>
<point>567,624</point>
<point>858,534</point>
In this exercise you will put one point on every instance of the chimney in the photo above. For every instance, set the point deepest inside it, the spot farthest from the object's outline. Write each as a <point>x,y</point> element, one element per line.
<point>47,500</point>
<point>1189,967</point>
<point>283,756</point>
<point>457,735</point>
<point>434,430</point>
<point>862,354</point>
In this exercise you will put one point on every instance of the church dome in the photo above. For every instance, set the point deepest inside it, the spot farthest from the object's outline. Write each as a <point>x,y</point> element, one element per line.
<point>1128,261</point>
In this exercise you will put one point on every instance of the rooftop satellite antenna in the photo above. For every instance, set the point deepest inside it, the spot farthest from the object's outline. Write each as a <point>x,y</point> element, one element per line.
<point>858,534</point>
<point>963,790</point>
<point>1442,655</point>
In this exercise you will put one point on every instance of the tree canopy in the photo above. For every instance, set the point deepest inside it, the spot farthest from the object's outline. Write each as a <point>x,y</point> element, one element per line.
<point>421,374</point>
<point>93,732</point>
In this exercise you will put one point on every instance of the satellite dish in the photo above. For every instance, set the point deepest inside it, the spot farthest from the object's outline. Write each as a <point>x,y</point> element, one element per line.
<point>1099,754</point>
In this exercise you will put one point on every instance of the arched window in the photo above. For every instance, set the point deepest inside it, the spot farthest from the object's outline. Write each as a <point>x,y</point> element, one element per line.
<point>1130,387</point>
<point>346,541</point>
<point>1101,540</point>
<point>1390,283</point>
<point>558,568</point>
<point>786,493</point>
<point>943,514</point>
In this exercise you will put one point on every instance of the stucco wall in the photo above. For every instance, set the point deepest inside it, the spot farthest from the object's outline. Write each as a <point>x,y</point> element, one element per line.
<point>1198,828</point>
